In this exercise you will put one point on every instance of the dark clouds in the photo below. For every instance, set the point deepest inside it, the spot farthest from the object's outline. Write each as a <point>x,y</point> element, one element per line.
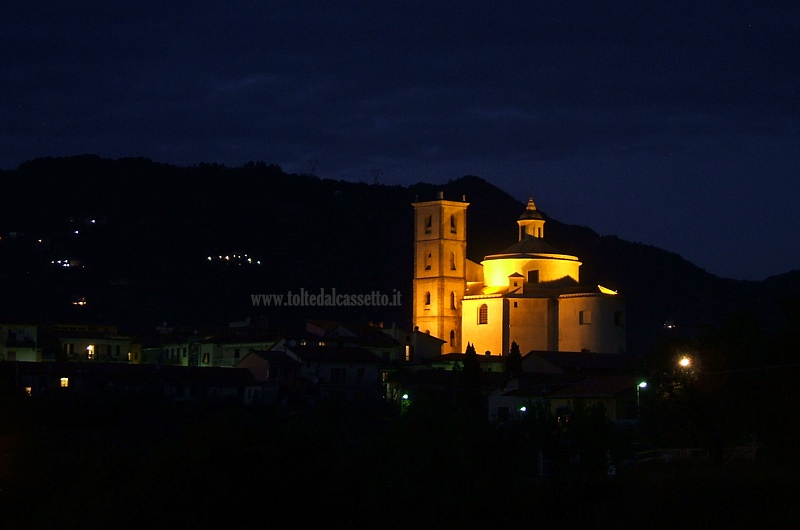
<point>674,124</point>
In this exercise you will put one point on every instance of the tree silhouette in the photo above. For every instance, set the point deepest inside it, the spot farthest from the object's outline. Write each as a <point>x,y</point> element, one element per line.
<point>514,360</point>
<point>472,368</point>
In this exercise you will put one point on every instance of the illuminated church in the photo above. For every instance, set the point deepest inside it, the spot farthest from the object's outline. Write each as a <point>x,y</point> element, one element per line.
<point>528,293</point>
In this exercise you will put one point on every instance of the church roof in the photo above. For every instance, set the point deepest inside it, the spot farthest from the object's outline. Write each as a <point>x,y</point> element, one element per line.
<point>529,246</point>
<point>565,287</point>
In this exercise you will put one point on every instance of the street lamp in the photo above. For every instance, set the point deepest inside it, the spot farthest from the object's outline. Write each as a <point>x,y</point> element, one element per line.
<point>685,362</point>
<point>640,386</point>
<point>404,403</point>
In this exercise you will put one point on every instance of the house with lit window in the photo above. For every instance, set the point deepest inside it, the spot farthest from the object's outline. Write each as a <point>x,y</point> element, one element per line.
<point>218,349</point>
<point>88,342</point>
<point>177,383</point>
<point>416,346</point>
<point>529,293</point>
<point>369,336</point>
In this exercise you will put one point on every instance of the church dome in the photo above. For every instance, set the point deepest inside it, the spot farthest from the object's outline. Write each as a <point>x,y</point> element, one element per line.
<point>531,212</point>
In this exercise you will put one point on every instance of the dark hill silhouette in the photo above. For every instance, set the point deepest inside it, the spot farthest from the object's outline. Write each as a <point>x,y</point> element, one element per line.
<point>145,256</point>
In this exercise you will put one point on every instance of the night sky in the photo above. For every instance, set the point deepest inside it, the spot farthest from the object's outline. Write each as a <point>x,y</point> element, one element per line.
<point>668,123</point>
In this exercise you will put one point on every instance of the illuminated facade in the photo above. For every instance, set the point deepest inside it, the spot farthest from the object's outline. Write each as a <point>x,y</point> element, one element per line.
<point>91,343</point>
<point>440,275</point>
<point>529,293</point>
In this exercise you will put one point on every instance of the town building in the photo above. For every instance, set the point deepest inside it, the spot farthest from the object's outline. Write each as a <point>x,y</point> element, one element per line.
<point>88,342</point>
<point>19,342</point>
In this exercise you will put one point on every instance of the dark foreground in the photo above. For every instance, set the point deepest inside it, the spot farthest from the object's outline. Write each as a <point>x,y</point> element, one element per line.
<point>119,464</point>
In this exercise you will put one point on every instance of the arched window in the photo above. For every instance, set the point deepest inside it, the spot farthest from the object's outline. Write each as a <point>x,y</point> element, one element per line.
<point>452,300</point>
<point>453,338</point>
<point>428,224</point>
<point>452,261</point>
<point>428,298</point>
<point>452,224</point>
<point>483,314</point>
<point>428,260</point>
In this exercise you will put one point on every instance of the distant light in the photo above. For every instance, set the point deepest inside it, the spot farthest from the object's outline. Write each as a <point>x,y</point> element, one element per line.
<point>523,408</point>
<point>685,362</point>
<point>643,384</point>
<point>209,258</point>
<point>405,396</point>
<point>258,262</point>
<point>75,232</point>
<point>40,240</point>
<point>92,221</point>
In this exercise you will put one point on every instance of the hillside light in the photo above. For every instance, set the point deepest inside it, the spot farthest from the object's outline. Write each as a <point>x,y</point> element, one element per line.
<point>523,408</point>
<point>685,362</point>
<point>405,396</point>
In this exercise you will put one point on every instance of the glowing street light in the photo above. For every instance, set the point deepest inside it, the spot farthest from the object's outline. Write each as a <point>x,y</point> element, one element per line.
<point>405,403</point>
<point>640,386</point>
<point>685,362</point>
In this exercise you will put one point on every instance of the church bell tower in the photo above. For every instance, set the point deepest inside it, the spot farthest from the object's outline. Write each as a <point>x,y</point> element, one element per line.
<point>440,281</point>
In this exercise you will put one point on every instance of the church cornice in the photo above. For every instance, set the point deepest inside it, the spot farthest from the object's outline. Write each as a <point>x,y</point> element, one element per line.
<point>561,257</point>
<point>484,296</point>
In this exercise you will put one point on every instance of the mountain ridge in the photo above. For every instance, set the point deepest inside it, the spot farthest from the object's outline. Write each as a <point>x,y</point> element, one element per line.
<point>150,237</point>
